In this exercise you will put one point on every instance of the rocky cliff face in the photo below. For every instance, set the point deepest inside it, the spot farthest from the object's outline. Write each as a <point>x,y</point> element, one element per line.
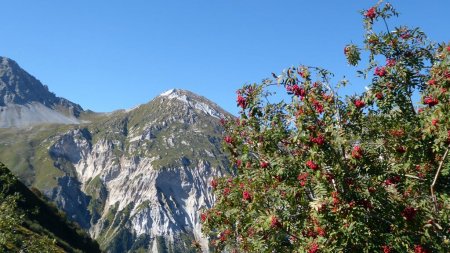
<point>137,179</point>
<point>25,101</point>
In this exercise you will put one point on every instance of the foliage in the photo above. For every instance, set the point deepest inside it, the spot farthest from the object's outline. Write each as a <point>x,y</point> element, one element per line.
<point>321,173</point>
<point>13,235</point>
<point>30,224</point>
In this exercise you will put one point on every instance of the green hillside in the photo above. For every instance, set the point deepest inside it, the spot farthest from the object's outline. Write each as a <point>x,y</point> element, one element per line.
<point>30,224</point>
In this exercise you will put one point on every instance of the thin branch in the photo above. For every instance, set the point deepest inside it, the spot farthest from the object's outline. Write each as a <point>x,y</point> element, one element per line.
<point>433,195</point>
<point>387,27</point>
<point>411,176</point>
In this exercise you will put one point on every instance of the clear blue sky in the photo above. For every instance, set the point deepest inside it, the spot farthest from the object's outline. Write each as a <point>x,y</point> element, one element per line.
<point>111,54</point>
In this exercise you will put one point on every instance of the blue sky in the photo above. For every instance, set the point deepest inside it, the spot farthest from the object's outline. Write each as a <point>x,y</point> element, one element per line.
<point>111,54</point>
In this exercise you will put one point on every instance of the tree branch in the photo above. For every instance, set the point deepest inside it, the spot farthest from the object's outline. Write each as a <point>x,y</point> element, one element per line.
<point>433,195</point>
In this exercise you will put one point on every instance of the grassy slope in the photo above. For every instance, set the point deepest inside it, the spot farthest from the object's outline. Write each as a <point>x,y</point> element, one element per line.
<point>25,151</point>
<point>43,219</point>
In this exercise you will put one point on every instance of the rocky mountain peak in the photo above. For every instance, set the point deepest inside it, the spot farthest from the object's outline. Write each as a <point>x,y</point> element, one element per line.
<point>19,87</point>
<point>193,101</point>
<point>25,101</point>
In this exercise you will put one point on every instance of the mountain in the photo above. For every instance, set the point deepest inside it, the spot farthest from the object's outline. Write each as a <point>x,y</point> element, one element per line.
<point>30,224</point>
<point>25,101</point>
<point>135,179</point>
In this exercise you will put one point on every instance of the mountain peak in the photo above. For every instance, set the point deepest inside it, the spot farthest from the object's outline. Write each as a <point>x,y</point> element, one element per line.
<point>178,92</point>
<point>5,61</point>
<point>20,91</point>
<point>19,87</point>
<point>168,92</point>
<point>192,100</point>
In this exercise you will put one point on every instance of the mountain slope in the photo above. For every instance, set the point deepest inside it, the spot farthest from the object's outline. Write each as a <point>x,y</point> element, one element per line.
<point>27,223</point>
<point>148,170</point>
<point>25,101</point>
<point>135,179</point>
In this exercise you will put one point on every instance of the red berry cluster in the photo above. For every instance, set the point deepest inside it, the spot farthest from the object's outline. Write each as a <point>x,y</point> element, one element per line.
<point>246,196</point>
<point>371,13</point>
<point>357,152</point>
<point>241,101</point>
<point>296,90</point>
<point>303,178</point>
<point>420,249</point>
<point>359,103</point>
<point>430,101</point>
<point>380,71</point>
<point>274,222</point>
<point>409,213</point>
<point>319,140</point>
<point>312,165</point>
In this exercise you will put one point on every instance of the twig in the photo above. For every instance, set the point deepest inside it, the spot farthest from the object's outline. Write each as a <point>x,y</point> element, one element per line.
<point>433,195</point>
<point>411,176</point>
<point>387,28</point>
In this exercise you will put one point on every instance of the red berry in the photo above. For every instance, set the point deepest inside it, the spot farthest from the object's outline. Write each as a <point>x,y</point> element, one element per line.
<point>303,178</point>
<point>296,90</point>
<point>214,183</point>
<point>405,35</point>
<point>359,103</point>
<point>390,62</point>
<point>314,248</point>
<point>312,165</point>
<point>392,180</point>
<point>409,213</point>
<point>241,101</point>
<point>318,106</point>
<point>430,101</point>
<point>419,249</point>
<point>357,152</point>
<point>320,231</point>
<point>319,140</point>
<point>228,139</point>
<point>400,149</point>
<point>386,249</point>
<point>264,164</point>
<point>274,222</point>
<point>246,196</point>
<point>380,71</point>
<point>203,217</point>
<point>379,95</point>
<point>226,191</point>
<point>371,13</point>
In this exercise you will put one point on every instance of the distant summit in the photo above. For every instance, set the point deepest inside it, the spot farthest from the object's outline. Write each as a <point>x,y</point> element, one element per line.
<point>25,101</point>
<point>194,101</point>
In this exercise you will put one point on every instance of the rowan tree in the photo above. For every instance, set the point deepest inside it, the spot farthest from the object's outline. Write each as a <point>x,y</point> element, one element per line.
<point>318,172</point>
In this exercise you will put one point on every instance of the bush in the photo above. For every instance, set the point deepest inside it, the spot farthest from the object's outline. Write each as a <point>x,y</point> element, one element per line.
<point>322,173</point>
